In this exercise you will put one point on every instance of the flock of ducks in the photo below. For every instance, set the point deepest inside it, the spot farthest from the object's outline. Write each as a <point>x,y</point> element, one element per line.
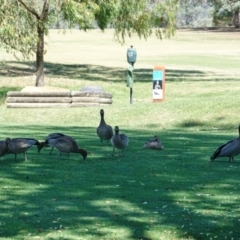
<point>66,144</point>
<point>120,141</point>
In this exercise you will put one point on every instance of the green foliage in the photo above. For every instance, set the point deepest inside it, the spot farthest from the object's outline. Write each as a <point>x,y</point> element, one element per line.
<point>140,17</point>
<point>225,10</point>
<point>17,28</point>
<point>165,15</point>
<point>80,13</point>
<point>107,12</point>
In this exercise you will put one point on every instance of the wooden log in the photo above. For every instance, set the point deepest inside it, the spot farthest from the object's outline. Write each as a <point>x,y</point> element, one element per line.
<point>91,99</point>
<point>39,99</point>
<point>37,105</point>
<point>84,104</point>
<point>90,94</point>
<point>38,94</point>
<point>53,99</point>
<point>104,104</point>
<point>85,99</point>
<point>105,100</point>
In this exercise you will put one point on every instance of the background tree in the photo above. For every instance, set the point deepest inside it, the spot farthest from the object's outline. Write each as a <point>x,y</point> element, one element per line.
<point>24,23</point>
<point>207,13</point>
<point>226,12</point>
<point>194,14</point>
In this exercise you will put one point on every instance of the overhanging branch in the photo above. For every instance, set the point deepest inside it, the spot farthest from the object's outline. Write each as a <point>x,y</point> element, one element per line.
<point>31,10</point>
<point>44,11</point>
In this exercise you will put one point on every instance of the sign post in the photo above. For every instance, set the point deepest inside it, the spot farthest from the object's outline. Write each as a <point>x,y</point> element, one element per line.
<point>131,58</point>
<point>158,84</point>
<point>130,80</point>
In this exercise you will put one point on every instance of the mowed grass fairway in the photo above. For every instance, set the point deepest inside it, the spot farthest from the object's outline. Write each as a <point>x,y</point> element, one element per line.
<point>176,193</point>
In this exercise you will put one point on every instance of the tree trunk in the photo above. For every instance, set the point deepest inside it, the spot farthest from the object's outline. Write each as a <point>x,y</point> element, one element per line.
<point>40,57</point>
<point>236,18</point>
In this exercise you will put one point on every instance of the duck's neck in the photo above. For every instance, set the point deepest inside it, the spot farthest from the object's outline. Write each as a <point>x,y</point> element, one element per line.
<point>102,119</point>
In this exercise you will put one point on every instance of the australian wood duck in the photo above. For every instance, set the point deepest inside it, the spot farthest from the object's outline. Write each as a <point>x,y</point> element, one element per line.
<point>229,149</point>
<point>53,136</point>
<point>65,145</point>
<point>21,145</point>
<point>119,141</point>
<point>154,144</point>
<point>4,147</point>
<point>104,131</point>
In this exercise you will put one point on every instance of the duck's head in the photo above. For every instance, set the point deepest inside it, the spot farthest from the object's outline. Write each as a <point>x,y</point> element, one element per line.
<point>83,152</point>
<point>40,146</point>
<point>155,138</point>
<point>7,140</point>
<point>116,129</point>
<point>101,112</point>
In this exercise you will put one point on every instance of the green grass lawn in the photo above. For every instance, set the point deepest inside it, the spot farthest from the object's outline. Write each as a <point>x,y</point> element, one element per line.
<point>176,193</point>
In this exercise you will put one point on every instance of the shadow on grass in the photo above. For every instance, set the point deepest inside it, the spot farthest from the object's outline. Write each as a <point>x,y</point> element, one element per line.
<point>190,123</point>
<point>215,29</point>
<point>174,193</point>
<point>102,73</point>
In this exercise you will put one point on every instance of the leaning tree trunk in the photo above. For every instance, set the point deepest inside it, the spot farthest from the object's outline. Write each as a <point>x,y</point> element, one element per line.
<point>40,57</point>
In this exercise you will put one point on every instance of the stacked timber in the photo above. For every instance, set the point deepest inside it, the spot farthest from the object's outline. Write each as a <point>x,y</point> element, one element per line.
<point>49,97</point>
<point>17,99</point>
<point>90,96</point>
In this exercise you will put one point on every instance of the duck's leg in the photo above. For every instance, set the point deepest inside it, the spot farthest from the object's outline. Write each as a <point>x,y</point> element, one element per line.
<point>25,156</point>
<point>51,151</point>
<point>113,151</point>
<point>122,152</point>
<point>15,157</point>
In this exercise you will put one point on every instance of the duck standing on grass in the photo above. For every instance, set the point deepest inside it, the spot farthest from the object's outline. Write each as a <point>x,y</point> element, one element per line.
<point>119,141</point>
<point>65,145</point>
<point>104,131</point>
<point>21,145</point>
<point>229,149</point>
<point>4,147</point>
<point>154,144</point>
<point>53,136</point>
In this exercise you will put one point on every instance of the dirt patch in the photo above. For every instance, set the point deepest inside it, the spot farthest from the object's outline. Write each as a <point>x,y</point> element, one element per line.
<point>44,89</point>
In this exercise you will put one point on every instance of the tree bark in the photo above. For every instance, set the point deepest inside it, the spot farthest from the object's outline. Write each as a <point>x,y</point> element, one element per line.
<point>40,57</point>
<point>236,18</point>
<point>40,44</point>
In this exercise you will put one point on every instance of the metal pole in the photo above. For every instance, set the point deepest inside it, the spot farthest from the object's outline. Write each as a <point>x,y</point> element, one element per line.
<point>131,90</point>
<point>131,95</point>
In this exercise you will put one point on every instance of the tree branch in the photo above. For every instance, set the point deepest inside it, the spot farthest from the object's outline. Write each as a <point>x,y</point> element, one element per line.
<point>31,10</point>
<point>45,11</point>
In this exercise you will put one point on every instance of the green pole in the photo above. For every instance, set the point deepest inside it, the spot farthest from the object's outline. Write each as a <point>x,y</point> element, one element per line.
<point>130,80</point>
